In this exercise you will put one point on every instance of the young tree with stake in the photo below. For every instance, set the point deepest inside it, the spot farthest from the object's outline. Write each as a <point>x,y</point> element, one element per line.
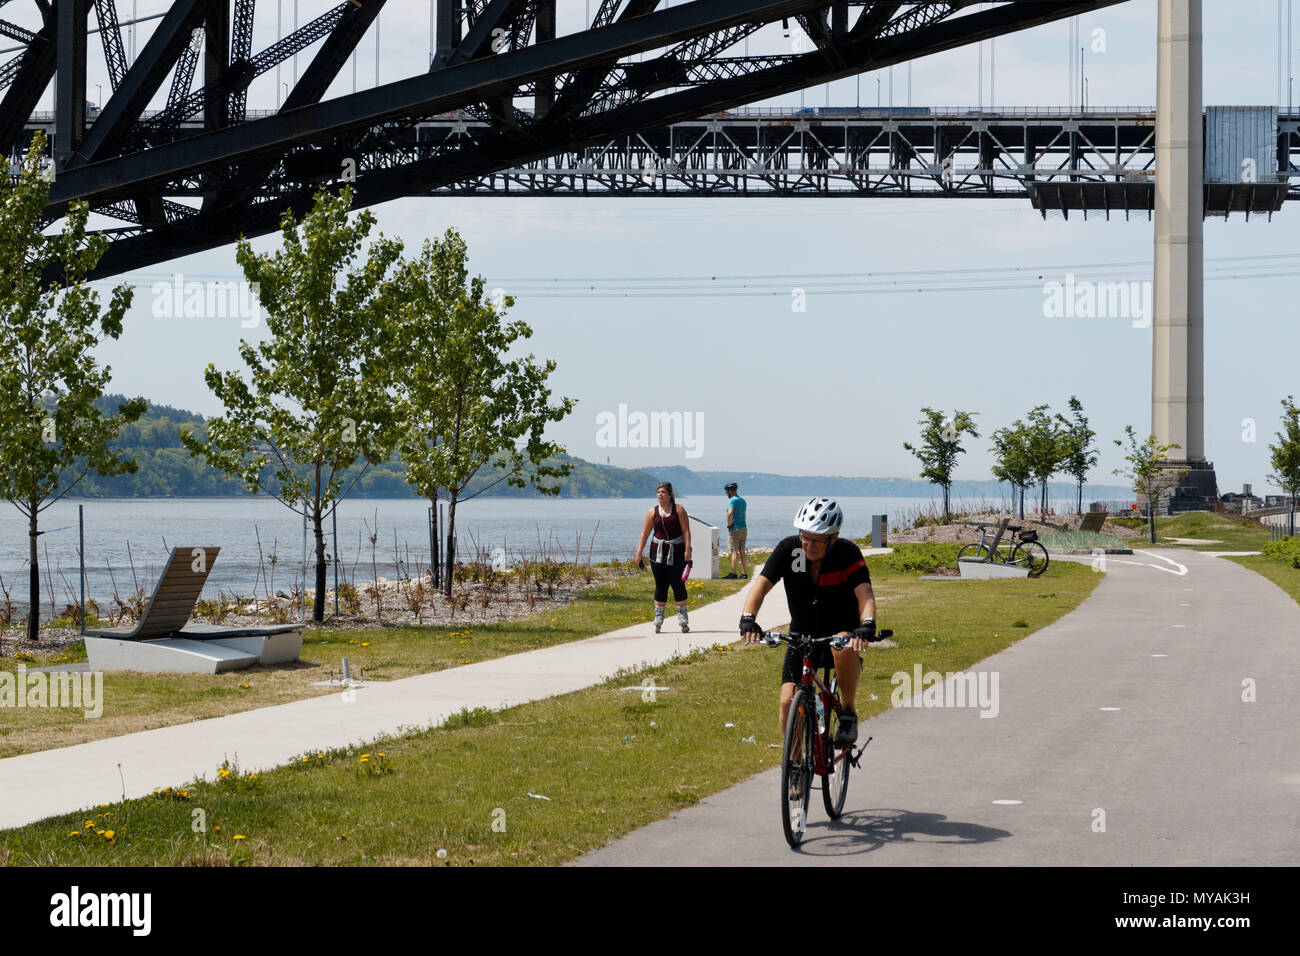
<point>463,405</point>
<point>314,402</point>
<point>1080,457</point>
<point>51,432</point>
<point>940,446</point>
<point>1011,462</point>
<point>1147,472</point>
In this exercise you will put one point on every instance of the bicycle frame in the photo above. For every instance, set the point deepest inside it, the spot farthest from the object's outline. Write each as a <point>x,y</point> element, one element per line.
<point>822,739</point>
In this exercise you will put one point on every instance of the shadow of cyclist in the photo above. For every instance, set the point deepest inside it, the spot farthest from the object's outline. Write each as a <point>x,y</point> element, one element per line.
<point>863,831</point>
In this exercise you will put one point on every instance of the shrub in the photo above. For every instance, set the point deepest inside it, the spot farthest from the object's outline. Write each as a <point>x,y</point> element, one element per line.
<point>1286,551</point>
<point>918,557</point>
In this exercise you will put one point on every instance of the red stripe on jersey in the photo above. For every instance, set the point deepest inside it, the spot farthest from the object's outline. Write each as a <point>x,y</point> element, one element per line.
<point>831,578</point>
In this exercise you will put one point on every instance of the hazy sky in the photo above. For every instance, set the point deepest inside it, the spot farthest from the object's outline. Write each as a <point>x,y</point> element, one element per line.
<point>838,388</point>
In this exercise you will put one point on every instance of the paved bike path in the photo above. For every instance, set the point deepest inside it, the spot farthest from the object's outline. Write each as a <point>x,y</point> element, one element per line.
<point>51,782</point>
<point>1122,736</point>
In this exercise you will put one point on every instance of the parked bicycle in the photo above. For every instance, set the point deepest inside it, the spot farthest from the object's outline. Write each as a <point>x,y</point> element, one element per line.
<point>1022,550</point>
<point>810,733</point>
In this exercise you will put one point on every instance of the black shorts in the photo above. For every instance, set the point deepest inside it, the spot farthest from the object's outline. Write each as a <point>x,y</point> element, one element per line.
<point>792,669</point>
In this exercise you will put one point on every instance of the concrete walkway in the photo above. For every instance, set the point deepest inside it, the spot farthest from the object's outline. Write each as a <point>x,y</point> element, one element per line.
<point>51,782</point>
<point>1154,725</point>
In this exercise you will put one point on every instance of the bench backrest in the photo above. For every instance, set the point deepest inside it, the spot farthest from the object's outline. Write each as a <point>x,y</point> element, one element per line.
<point>177,592</point>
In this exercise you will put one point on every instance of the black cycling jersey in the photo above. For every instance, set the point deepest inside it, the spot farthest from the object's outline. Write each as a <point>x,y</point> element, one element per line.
<point>829,606</point>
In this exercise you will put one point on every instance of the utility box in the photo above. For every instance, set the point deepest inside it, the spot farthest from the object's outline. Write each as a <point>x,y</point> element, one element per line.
<point>879,531</point>
<point>704,549</point>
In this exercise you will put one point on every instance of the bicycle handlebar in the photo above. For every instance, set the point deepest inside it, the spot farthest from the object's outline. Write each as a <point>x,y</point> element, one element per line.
<point>836,641</point>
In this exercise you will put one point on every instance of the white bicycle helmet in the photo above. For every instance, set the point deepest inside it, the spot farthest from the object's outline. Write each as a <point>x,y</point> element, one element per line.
<point>819,516</point>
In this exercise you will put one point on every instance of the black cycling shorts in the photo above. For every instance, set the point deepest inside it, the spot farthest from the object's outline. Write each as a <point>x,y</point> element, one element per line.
<point>792,669</point>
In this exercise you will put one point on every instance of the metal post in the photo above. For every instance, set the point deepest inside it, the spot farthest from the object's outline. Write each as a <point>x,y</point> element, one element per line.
<point>81,553</point>
<point>433,549</point>
<point>303,610</point>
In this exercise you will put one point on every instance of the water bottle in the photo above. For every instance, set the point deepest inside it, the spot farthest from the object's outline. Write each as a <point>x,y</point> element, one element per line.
<point>821,714</point>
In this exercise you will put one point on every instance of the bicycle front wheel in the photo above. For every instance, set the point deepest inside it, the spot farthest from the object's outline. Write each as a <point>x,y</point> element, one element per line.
<point>796,767</point>
<point>835,782</point>
<point>973,551</point>
<point>1031,555</point>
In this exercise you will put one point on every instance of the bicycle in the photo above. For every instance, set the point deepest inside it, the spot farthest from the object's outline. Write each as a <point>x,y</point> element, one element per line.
<point>1023,550</point>
<point>810,732</point>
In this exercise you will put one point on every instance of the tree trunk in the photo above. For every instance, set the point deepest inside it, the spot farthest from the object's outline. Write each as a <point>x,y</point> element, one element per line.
<point>451,538</point>
<point>318,602</point>
<point>1080,497</point>
<point>34,580</point>
<point>945,504</point>
<point>1022,502</point>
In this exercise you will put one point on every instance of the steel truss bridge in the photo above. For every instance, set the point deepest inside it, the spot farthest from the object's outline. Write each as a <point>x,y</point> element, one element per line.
<point>1101,161</point>
<point>203,170</point>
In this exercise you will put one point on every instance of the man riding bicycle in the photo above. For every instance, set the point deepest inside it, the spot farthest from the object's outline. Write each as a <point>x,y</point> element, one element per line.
<point>828,590</point>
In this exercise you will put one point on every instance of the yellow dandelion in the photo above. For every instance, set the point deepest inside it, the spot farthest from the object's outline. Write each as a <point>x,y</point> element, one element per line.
<point>381,755</point>
<point>88,824</point>
<point>75,833</point>
<point>217,828</point>
<point>240,836</point>
<point>109,834</point>
<point>244,686</point>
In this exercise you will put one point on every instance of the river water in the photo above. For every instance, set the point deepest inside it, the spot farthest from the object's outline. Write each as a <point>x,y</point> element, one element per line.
<point>603,528</point>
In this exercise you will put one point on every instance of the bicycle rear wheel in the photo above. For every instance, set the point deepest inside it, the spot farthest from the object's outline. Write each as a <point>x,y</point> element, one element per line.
<point>796,767</point>
<point>835,782</point>
<point>1031,555</point>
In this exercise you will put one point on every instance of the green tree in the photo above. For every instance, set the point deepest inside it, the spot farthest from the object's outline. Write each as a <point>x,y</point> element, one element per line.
<point>1046,450</point>
<point>315,402</point>
<point>51,432</point>
<point>940,446</point>
<point>463,405</point>
<point>1079,455</point>
<point>1286,458</point>
<point>1011,461</point>
<point>1147,472</point>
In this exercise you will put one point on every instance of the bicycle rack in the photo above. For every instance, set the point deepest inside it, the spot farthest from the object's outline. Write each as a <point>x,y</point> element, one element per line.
<point>857,754</point>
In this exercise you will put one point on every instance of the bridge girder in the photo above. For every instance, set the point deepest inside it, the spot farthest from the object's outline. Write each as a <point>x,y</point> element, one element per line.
<point>493,54</point>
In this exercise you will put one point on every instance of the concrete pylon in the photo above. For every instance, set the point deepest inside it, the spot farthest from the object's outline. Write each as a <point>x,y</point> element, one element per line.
<point>1177,354</point>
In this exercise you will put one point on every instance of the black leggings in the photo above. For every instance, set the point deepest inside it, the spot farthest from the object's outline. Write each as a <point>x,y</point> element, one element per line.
<point>666,574</point>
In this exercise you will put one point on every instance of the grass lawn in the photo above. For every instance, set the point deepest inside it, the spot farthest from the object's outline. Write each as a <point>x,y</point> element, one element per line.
<point>134,701</point>
<point>1231,534</point>
<point>606,759</point>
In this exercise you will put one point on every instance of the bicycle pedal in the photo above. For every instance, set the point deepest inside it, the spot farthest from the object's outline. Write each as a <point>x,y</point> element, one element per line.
<point>857,754</point>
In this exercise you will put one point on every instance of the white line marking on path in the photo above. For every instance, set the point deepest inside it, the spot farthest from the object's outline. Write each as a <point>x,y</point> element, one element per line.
<point>1159,655</point>
<point>1109,708</point>
<point>1008,803</point>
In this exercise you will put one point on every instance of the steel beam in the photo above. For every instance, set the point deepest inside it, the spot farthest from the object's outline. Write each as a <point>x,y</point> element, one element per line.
<point>142,81</point>
<point>70,80</point>
<point>437,92</point>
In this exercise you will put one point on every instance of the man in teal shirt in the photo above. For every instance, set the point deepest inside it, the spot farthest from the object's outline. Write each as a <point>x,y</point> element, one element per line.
<point>736,530</point>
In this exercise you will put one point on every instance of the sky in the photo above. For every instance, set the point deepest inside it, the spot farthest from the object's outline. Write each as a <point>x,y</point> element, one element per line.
<point>838,388</point>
